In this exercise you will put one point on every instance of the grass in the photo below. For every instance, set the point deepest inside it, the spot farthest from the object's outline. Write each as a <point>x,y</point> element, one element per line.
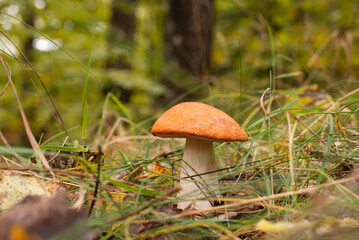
<point>276,178</point>
<point>294,178</point>
<point>295,172</point>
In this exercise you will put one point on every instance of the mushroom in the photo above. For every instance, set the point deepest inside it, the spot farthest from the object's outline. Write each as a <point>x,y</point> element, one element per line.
<point>201,125</point>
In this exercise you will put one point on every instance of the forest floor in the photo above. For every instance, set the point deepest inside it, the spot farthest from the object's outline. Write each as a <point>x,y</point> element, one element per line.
<point>295,178</point>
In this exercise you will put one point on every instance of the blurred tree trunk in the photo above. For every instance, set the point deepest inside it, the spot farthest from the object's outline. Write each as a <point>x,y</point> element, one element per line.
<point>122,30</point>
<point>188,40</point>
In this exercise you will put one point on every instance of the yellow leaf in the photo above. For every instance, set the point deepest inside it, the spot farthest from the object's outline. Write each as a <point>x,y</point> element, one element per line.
<point>158,170</point>
<point>13,188</point>
<point>18,232</point>
<point>266,226</point>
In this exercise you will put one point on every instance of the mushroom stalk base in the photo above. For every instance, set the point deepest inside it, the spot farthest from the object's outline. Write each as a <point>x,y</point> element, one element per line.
<point>198,158</point>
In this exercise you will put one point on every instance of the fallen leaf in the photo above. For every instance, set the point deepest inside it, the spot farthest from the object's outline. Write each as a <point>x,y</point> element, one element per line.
<point>14,187</point>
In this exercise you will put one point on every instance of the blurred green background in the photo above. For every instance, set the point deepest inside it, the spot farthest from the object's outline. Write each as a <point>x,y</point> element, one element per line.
<point>128,49</point>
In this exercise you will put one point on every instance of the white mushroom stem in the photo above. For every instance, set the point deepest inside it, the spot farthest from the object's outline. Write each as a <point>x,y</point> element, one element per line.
<point>198,158</point>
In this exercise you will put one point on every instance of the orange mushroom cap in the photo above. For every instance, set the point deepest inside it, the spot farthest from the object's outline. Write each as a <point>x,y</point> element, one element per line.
<point>198,120</point>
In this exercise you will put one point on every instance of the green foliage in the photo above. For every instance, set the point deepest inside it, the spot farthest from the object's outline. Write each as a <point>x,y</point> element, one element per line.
<point>297,48</point>
<point>299,42</point>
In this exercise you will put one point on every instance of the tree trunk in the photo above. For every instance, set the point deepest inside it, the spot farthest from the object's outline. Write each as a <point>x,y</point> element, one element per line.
<point>188,40</point>
<point>121,33</point>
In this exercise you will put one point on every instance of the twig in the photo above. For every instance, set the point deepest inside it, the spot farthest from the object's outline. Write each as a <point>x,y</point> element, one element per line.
<point>264,109</point>
<point>29,134</point>
<point>42,83</point>
<point>97,181</point>
<point>266,198</point>
<point>290,151</point>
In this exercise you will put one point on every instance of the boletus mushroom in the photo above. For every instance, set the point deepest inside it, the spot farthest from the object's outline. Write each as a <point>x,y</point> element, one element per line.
<point>201,125</point>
